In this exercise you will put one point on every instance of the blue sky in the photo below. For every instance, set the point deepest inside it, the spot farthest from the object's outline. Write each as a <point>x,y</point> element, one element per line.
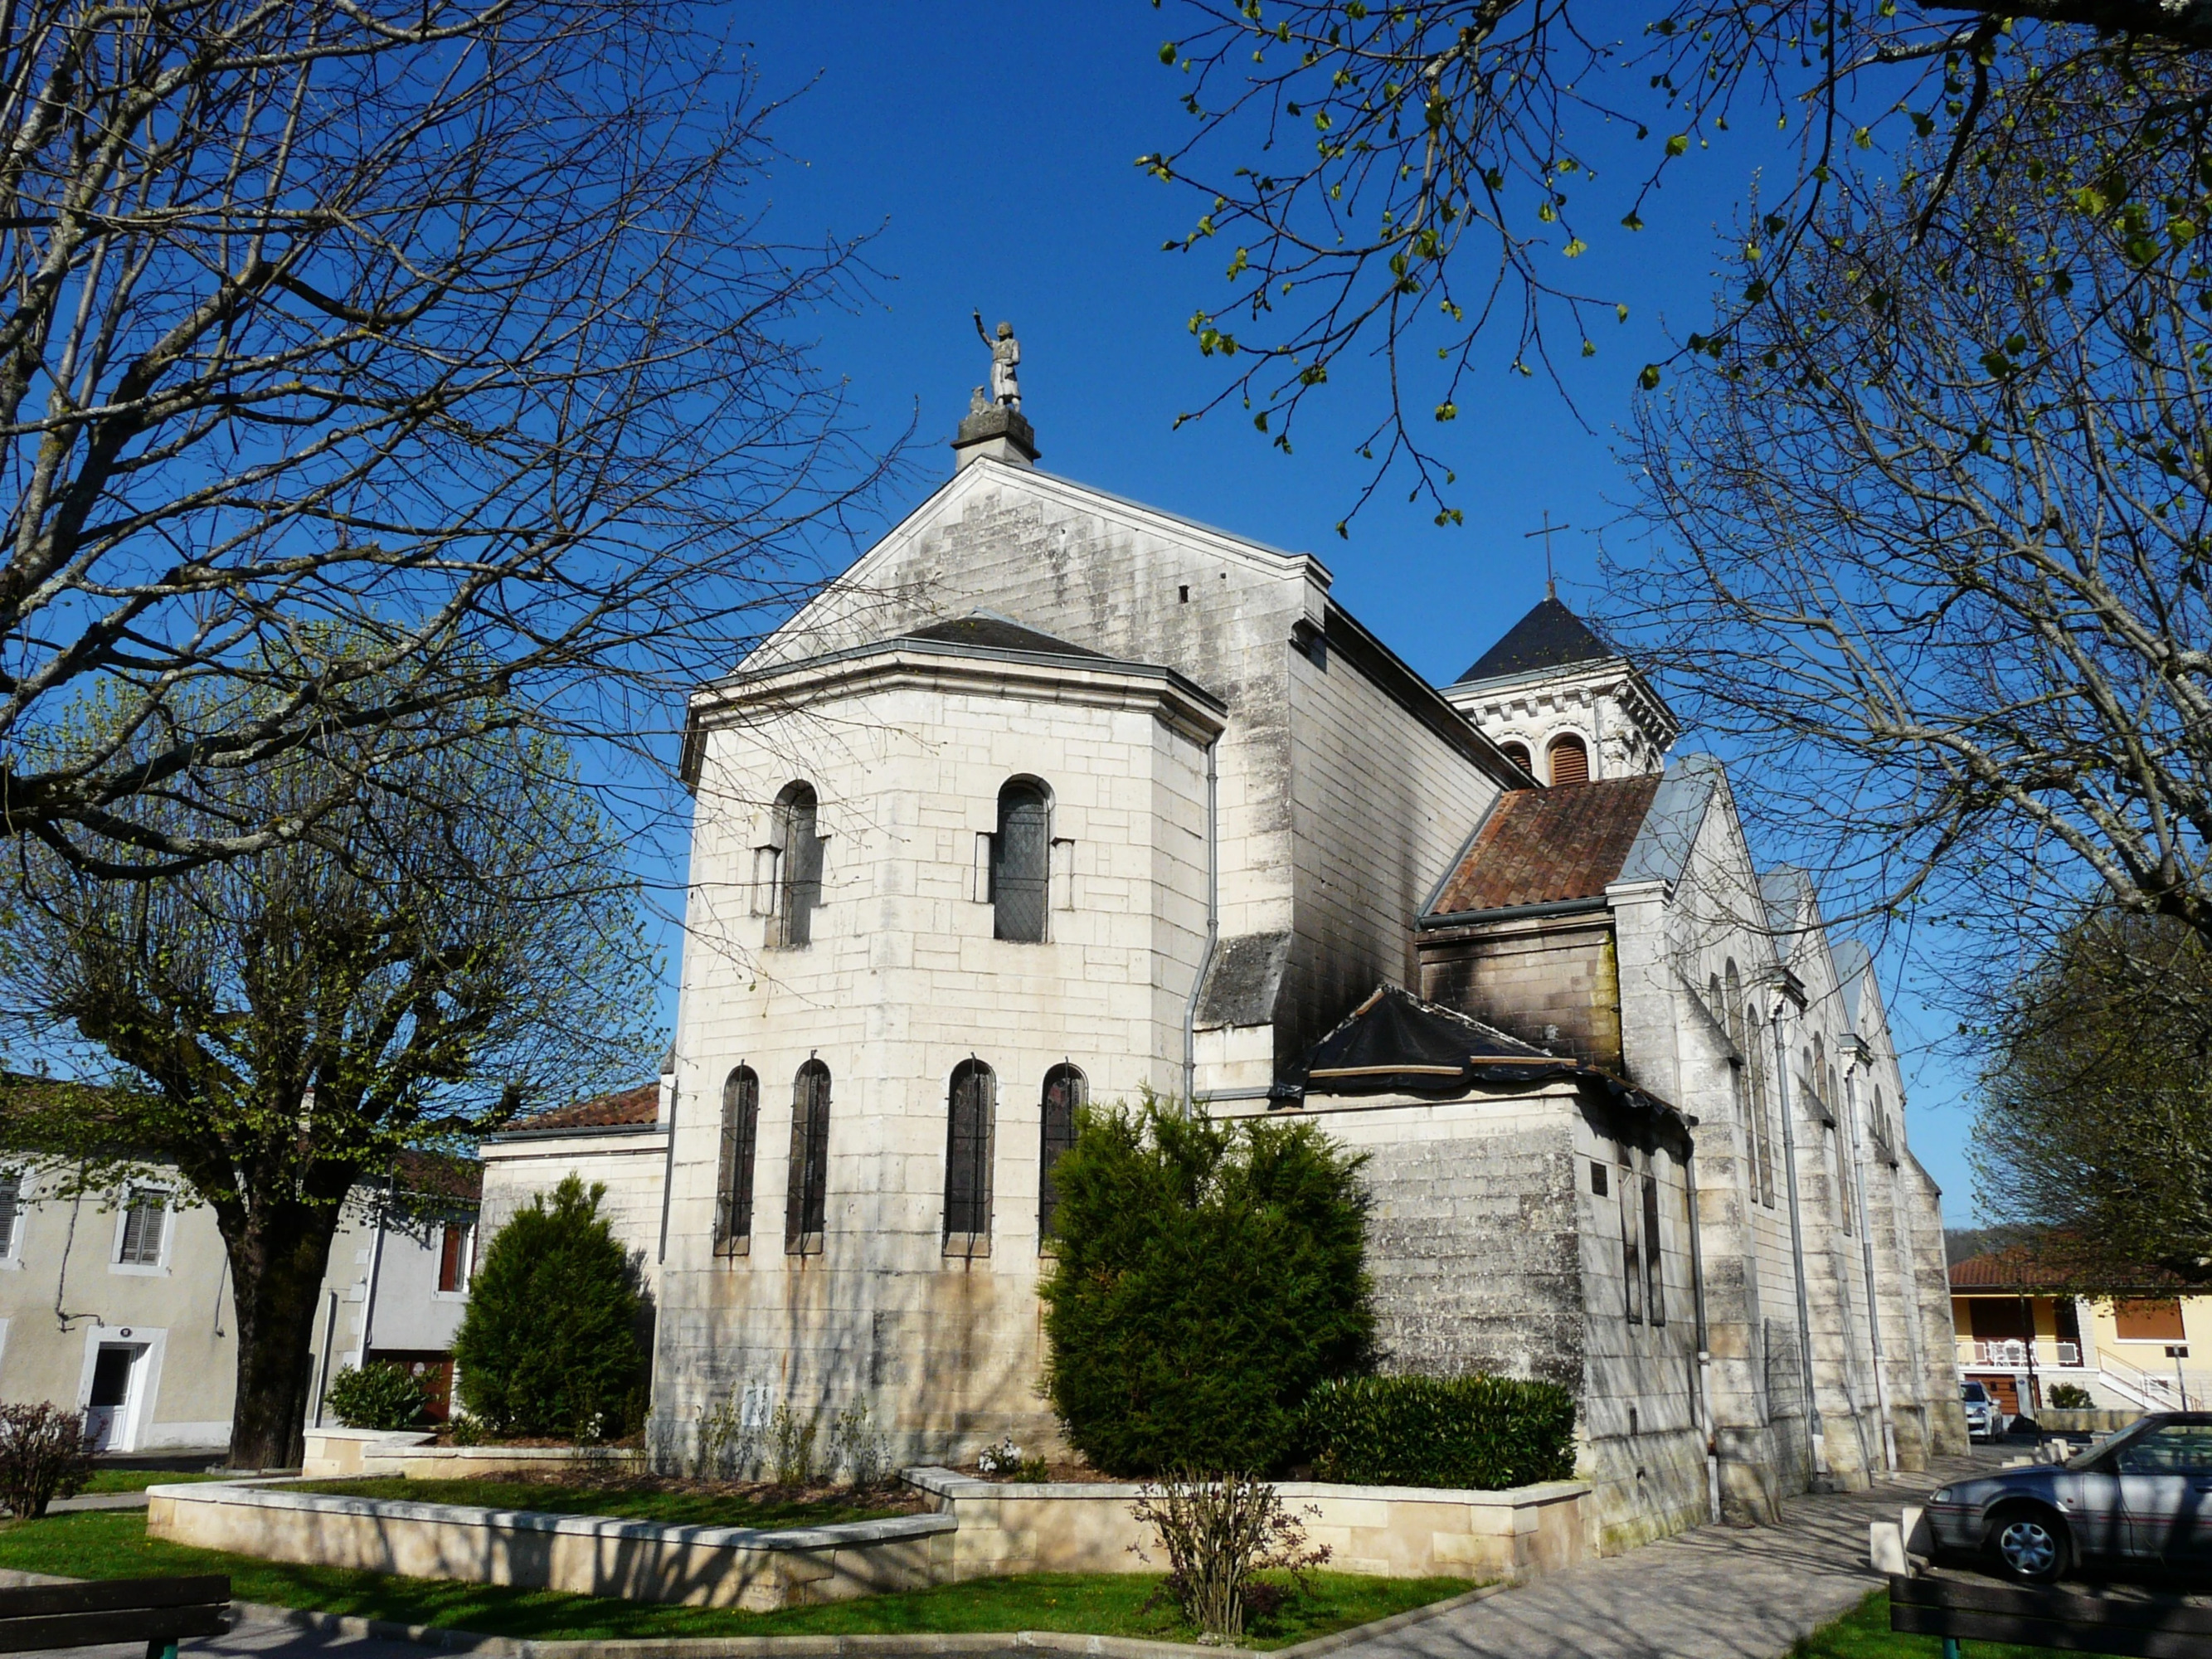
<point>989,148</point>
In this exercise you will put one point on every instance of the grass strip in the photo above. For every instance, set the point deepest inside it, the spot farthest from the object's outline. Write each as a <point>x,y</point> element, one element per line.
<point>113,1544</point>
<point>1864,1633</point>
<point>675,1509</point>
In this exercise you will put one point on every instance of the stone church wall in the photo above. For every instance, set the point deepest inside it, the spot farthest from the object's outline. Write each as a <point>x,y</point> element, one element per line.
<point>903,981</point>
<point>1552,980</point>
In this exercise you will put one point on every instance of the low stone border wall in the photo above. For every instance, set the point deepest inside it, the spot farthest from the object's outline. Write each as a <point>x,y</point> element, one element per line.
<point>344,1454</point>
<point>1397,1532</point>
<point>591,1555</point>
<point>2088,1421</point>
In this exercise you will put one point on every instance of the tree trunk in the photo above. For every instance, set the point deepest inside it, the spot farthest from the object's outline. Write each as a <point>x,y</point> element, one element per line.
<point>277,1262</point>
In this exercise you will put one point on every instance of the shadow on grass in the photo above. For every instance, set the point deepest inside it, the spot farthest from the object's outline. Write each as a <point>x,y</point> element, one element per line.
<point>1864,1633</point>
<point>113,1544</point>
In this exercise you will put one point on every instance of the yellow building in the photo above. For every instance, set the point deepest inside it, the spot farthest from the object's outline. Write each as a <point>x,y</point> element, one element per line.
<point>2023,1330</point>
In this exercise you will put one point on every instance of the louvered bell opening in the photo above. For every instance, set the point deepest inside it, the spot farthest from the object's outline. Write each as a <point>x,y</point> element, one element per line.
<point>1570,761</point>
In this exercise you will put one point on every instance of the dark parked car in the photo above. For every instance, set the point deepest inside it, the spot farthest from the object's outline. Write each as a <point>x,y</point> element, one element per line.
<point>2144,1495</point>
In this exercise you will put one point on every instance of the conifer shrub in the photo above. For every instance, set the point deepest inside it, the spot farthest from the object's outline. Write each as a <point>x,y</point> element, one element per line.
<point>1209,1275</point>
<point>548,1344</point>
<point>379,1395</point>
<point>1480,1433</point>
<point>2070,1397</point>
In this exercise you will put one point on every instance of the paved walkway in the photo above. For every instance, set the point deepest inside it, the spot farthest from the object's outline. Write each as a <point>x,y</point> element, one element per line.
<point>1712,1592</point>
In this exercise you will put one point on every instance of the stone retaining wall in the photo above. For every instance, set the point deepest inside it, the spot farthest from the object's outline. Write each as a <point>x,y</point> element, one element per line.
<point>1397,1532</point>
<point>345,1454</point>
<point>979,1528</point>
<point>591,1555</point>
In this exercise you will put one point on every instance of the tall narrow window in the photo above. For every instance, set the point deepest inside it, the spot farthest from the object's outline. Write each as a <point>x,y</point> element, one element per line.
<point>1632,1257</point>
<point>1570,758</point>
<point>970,1118</point>
<point>453,1252</point>
<point>1065,1091</point>
<point>807,1195</point>
<point>1021,862</point>
<point>145,1218</point>
<point>11,1211</point>
<point>733,1177</point>
<point>1655,1293</point>
<point>1761,1108</point>
<point>798,893</point>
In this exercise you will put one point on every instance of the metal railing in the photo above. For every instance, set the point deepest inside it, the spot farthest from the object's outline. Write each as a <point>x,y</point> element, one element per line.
<point>2014,1356</point>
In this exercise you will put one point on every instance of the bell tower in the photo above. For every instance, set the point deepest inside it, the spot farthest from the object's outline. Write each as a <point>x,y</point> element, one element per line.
<point>1556,696</point>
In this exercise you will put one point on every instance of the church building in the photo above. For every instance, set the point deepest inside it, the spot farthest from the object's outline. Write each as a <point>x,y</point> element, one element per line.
<point>1056,798</point>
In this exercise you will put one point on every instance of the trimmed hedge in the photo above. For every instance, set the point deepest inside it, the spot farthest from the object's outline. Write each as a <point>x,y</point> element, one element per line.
<point>1478,1433</point>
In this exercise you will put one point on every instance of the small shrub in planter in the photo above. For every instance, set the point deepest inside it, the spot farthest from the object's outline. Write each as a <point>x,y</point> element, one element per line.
<point>1208,1275</point>
<point>1219,1531</point>
<point>2070,1397</point>
<point>44,1454</point>
<point>379,1395</point>
<point>549,1345</point>
<point>1482,1433</point>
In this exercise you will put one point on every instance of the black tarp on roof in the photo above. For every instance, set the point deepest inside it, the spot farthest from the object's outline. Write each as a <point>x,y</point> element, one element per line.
<point>1395,1044</point>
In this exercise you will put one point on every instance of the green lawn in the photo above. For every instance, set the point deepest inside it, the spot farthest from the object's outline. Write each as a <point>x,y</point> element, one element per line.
<point>679,1509</point>
<point>138,1479</point>
<point>112,1544</point>
<point>1864,1633</point>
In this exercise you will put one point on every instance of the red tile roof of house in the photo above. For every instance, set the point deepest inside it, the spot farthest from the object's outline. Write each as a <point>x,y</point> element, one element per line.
<point>1540,845</point>
<point>2020,1270</point>
<point>618,1110</point>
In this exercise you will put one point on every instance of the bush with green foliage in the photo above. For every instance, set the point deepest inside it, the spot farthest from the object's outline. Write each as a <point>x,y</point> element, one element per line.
<point>549,1345</point>
<point>2070,1397</point>
<point>44,1454</point>
<point>1480,1433</point>
<point>1208,1276</point>
<point>381,1396</point>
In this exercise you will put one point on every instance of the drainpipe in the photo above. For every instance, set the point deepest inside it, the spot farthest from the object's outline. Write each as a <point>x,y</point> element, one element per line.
<point>1817,1441</point>
<point>668,1171</point>
<point>375,1266</point>
<point>1866,1249</point>
<point>1212,930</point>
<point>1704,1347</point>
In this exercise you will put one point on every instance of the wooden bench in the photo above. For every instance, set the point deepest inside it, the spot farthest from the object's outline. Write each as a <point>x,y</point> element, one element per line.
<point>2147,1625</point>
<point>159,1612</point>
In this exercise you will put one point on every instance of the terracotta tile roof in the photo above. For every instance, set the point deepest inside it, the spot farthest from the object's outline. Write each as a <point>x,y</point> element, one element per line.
<point>2018,1270</point>
<point>437,1175</point>
<point>1539,846</point>
<point>614,1111</point>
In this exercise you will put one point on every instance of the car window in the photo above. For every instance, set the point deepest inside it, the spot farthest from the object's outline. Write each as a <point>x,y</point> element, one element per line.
<point>1974,1393</point>
<point>2175,1449</point>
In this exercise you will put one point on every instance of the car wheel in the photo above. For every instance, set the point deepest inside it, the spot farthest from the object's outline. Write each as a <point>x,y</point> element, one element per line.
<point>2031,1543</point>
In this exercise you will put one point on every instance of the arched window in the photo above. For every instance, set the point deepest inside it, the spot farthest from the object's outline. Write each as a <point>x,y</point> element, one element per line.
<point>798,887</point>
<point>970,1118</point>
<point>733,1181</point>
<point>1518,754</point>
<point>806,1200</point>
<point>1762,1110</point>
<point>1021,858</point>
<point>1066,1089</point>
<point>1570,759</point>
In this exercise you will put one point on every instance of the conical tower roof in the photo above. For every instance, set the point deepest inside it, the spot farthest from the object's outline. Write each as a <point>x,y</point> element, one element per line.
<point>1549,636</point>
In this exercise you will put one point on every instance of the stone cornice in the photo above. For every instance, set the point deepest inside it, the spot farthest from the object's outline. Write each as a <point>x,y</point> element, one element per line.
<point>1035,676</point>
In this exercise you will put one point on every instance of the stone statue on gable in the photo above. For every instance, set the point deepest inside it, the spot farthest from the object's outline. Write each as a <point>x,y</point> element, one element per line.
<point>1005,357</point>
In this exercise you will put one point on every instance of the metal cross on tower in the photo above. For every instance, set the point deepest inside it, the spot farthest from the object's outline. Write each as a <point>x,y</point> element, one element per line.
<point>1550,587</point>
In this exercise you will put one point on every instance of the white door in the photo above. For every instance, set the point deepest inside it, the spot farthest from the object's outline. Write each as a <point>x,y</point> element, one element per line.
<point>107,1414</point>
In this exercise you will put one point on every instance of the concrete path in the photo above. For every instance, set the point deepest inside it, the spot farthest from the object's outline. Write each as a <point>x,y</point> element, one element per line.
<point>1713,1593</point>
